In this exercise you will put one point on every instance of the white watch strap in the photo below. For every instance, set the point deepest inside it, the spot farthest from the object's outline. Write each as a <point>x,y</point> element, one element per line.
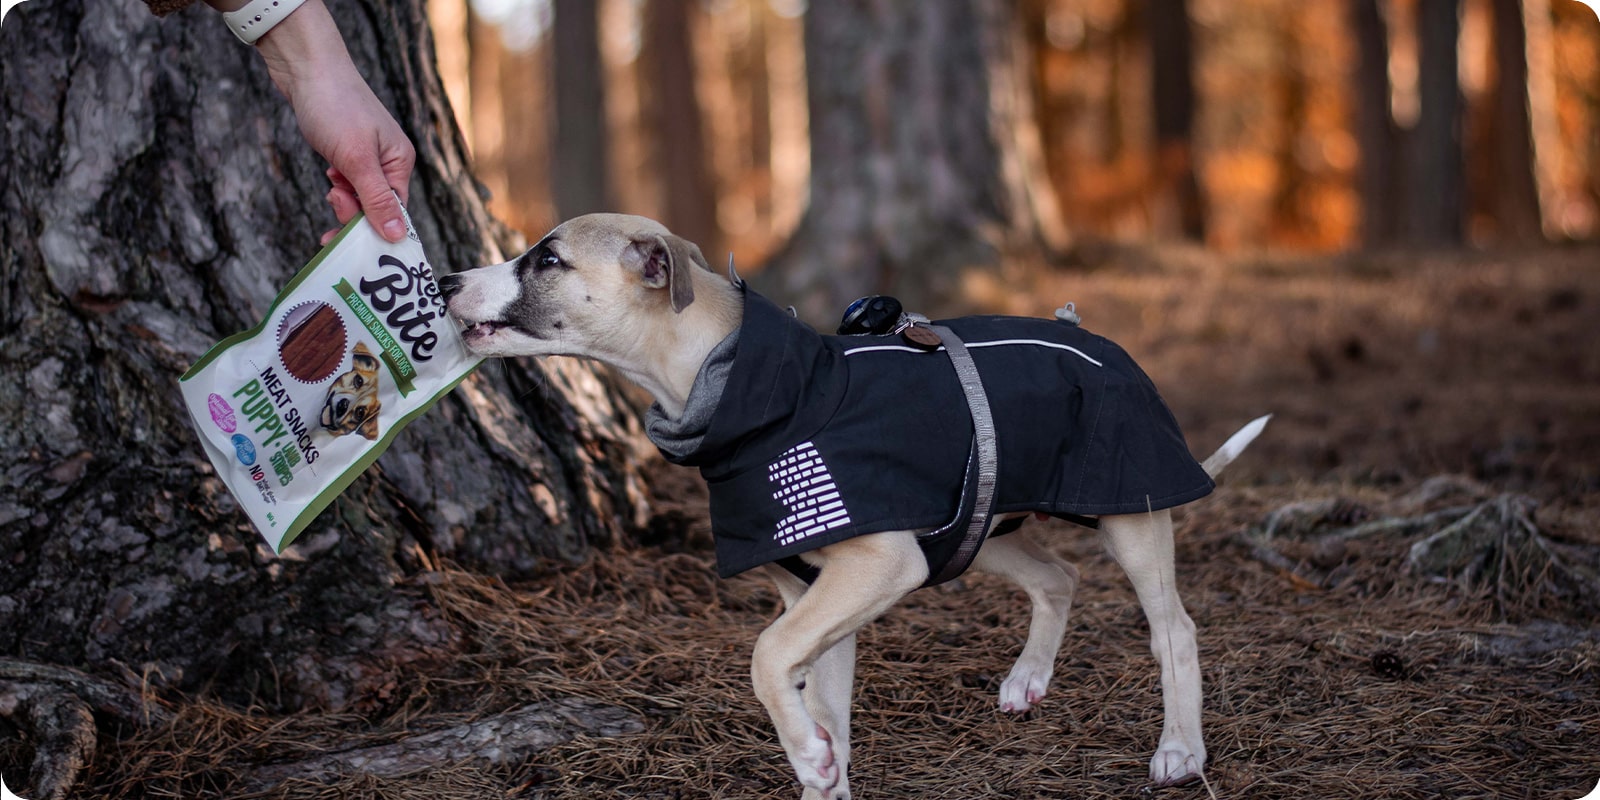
<point>254,20</point>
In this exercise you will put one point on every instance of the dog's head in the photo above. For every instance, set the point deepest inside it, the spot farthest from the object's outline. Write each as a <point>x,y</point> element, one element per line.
<point>352,403</point>
<point>595,286</point>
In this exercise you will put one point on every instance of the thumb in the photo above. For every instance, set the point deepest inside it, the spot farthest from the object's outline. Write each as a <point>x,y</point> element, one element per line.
<point>379,203</point>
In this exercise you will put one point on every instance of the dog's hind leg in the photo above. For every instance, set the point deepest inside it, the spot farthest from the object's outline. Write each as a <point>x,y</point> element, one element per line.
<point>829,687</point>
<point>1142,544</point>
<point>1050,583</point>
<point>861,578</point>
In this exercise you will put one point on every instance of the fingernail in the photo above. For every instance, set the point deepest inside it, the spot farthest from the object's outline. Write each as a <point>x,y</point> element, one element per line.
<point>394,230</point>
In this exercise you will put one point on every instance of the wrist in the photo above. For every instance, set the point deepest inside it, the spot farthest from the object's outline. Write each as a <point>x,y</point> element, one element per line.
<point>306,45</point>
<point>254,18</point>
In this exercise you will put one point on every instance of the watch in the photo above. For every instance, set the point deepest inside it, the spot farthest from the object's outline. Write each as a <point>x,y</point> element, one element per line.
<point>255,19</point>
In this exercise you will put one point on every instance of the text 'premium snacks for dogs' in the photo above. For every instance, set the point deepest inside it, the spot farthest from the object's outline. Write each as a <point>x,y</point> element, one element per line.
<point>356,346</point>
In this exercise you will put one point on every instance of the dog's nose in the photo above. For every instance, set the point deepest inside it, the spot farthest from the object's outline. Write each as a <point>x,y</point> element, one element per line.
<point>340,407</point>
<point>449,285</point>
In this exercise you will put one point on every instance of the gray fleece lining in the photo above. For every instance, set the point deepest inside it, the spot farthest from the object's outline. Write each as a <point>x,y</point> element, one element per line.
<point>680,437</point>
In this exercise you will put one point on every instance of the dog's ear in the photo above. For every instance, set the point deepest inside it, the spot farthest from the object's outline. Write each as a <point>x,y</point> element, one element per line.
<point>664,261</point>
<point>365,363</point>
<point>369,428</point>
<point>362,359</point>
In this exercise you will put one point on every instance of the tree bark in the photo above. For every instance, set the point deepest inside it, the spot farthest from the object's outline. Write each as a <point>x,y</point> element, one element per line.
<point>925,154</point>
<point>157,193</point>
<point>1435,202</point>
<point>582,142</point>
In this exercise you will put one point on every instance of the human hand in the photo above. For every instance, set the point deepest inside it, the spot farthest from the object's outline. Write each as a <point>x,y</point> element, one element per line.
<point>341,119</point>
<point>367,152</point>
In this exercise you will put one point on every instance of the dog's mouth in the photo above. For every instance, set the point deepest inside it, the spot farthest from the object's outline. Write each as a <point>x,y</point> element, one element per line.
<point>482,330</point>
<point>479,333</point>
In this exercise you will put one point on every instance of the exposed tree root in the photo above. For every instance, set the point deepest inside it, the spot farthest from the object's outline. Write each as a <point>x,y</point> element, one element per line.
<point>506,738</point>
<point>1489,544</point>
<point>56,706</point>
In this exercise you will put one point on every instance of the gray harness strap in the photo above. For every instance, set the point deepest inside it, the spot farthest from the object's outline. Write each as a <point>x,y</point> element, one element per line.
<point>985,449</point>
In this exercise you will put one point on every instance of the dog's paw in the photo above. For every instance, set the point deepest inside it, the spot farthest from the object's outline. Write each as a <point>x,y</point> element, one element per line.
<point>815,765</point>
<point>1024,687</point>
<point>838,792</point>
<point>1175,765</point>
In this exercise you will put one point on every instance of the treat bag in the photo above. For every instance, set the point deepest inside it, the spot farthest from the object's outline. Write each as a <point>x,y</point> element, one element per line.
<point>354,348</point>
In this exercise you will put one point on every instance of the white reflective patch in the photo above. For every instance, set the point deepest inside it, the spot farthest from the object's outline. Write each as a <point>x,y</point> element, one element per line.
<point>806,488</point>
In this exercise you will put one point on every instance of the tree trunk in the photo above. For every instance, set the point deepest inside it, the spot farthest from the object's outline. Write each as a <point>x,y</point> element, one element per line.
<point>1515,195</point>
<point>1435,199</point>
<point>157,194</point>
<point>450,22</point>
<point>672,109</point>
<point>1504,187</point>
<point>1375,129</point>
<point>1290,220</point>
<point>511,128</point>
<point>925,154</point>
<point>581,175</point>
<point>1179,205</point>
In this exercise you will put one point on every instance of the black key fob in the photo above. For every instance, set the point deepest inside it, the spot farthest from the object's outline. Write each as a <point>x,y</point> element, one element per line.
<point>876,314</point>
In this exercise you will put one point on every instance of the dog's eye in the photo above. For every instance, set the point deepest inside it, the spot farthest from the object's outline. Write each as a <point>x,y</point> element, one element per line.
<point>549,260</point>
<point>360,381</point>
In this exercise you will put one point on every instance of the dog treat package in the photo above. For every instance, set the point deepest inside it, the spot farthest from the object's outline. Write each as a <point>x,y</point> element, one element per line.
<point>356,346</point>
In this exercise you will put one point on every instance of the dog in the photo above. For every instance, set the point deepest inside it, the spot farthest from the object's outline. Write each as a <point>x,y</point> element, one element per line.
<point>352,403</point>
<point>736,382</point>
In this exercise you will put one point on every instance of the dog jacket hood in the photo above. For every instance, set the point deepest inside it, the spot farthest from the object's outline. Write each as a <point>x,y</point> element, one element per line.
<point>815,439</point>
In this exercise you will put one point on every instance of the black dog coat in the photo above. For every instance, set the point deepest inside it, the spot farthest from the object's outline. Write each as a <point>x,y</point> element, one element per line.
<point>814,439</point>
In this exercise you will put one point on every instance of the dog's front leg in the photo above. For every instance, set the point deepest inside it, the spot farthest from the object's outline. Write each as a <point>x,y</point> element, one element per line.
<point>828,689</point>
<point>1142,544</point>
<point>861,579</point>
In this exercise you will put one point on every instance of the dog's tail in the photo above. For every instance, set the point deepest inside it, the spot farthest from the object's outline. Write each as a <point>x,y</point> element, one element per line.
<point>1235,445</point>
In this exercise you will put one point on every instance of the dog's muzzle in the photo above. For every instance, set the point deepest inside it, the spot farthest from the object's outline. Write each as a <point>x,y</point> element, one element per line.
<point>449,287</point>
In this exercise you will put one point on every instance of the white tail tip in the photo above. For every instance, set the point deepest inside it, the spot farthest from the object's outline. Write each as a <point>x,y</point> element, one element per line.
<point>1235,445</point>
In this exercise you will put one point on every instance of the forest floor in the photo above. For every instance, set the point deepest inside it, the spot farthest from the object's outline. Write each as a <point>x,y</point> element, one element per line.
<point>1399,386</point>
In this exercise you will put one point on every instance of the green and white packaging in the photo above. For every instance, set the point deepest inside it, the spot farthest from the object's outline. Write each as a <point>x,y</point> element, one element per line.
<point>354,348</point>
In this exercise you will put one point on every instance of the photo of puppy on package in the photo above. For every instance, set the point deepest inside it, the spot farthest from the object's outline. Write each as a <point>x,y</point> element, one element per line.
<point>352,404</point>
<point>291,411</point>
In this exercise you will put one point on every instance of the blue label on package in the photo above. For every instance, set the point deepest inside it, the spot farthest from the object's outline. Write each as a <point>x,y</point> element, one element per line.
<point>244,449</point>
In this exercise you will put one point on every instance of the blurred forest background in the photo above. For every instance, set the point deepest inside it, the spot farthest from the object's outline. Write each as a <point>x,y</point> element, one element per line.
<point>1240,124</point>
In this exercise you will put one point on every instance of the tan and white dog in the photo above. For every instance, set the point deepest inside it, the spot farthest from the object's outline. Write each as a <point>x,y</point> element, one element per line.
<point>625,291</point>
<point>352,403</point>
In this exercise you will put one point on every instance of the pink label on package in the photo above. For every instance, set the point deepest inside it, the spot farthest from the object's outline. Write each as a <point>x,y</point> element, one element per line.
<point>221,413</point>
